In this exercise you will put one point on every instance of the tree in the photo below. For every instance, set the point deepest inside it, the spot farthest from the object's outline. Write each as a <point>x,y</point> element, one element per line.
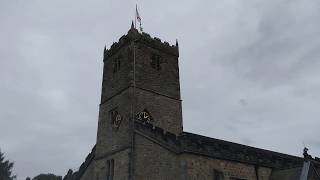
<point>47,177</point>
<point>6,168</point>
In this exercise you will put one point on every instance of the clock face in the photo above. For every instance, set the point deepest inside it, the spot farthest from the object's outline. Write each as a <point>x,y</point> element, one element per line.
<point>144,116</point>
<point>116,119</point>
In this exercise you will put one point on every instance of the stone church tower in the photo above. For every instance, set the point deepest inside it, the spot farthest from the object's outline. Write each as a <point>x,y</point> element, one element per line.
<point>140,134</point>
<point>140,82</point>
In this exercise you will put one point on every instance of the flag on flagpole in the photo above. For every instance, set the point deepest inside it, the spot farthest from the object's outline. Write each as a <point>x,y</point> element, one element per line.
<point>138,17</point>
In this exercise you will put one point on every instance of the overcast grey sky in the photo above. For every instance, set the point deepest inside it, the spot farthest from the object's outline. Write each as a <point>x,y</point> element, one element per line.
<point>249,73</point>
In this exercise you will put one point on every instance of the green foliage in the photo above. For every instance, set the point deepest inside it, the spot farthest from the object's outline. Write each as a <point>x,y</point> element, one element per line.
<point>47,177</point>
<point>6,168</point>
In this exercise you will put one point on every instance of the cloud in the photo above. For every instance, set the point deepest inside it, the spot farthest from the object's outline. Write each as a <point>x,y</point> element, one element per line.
<point>268,59</point>
<point>248,69</point>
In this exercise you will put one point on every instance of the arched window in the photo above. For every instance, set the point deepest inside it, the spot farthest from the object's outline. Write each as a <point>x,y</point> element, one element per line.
<point>110,169</point>
<point>116,65</point>
<point>156,61</point>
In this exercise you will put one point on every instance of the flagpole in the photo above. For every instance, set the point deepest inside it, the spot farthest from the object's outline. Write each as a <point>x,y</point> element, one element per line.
<point>133,109</point>
<point>135,17</point>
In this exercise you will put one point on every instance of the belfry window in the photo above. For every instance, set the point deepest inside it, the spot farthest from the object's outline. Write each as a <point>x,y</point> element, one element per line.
<point>116,65</point>
<point>156,61</point>
<point>110,169</point>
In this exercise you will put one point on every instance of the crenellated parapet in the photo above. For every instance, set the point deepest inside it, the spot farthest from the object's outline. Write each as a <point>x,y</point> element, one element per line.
<point>124,40</point>
<point>158,44</point>
<point>86,163</point>
<point>77,175</point>
<point>134,35</point>
<point>167,139</point>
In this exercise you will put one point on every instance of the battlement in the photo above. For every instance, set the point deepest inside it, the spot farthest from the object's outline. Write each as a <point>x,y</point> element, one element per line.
<point>77,175</point>
<point>158,44</point>
<point>134,35</point>
<point>166,138</point>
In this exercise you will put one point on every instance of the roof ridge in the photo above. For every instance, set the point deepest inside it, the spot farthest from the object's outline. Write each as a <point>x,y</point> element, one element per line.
<point>216,148</point>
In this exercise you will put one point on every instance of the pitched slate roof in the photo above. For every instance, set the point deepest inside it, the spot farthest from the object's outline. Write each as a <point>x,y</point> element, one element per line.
<point>216,148</point>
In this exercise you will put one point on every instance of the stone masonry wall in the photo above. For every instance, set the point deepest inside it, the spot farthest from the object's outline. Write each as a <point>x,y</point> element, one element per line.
<point>153,157</point>
<point>115,82</point>
<point>202,168</point>
<point>89,172</point>
<point>153,162</point>
<point>264,173</point>
<point>166,112</point>
<point>164,80</point>
<point>158,87</point>
<point>110,138</point>
<point>121,168</point>
<point>198,167</point>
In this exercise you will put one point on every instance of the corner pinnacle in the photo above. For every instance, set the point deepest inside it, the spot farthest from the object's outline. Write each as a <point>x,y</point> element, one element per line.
<point>132,26</point>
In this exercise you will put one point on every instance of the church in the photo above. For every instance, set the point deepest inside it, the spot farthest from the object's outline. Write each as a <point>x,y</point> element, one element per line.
<point>140,128</point>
